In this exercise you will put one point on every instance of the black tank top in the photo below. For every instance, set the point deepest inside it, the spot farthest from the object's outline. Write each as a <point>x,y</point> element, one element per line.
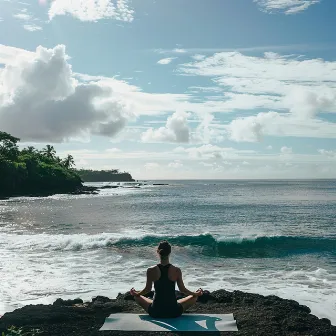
<point>164,296</point>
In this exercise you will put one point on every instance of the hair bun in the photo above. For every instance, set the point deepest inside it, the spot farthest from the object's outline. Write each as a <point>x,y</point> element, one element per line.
<point>164,248</point>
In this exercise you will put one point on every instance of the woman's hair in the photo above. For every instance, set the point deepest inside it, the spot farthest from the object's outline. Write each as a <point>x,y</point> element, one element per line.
<point>164,249</point>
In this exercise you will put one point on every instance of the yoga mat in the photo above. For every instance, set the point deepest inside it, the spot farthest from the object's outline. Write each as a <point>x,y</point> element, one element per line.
<point>187,322</point>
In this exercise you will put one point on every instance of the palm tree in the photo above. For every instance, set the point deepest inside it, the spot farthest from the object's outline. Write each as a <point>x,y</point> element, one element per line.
<point>68,162</point>
<point>29,150</point>
<point>49,151</point>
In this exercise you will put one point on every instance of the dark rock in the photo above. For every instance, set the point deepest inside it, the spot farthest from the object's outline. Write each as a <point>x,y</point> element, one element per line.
<point>255,315</point>
<point>325,321</point>
<point>61,302</point>
<point>109,187</point>
<point>222,296</point>
<point>101,299</point>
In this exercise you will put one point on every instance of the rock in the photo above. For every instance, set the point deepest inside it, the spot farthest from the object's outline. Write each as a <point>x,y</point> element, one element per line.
<point>326,321</point>
<point>255,315</point>
<point>60,302</point>
<point>109,187</point>
<point>101,299</point>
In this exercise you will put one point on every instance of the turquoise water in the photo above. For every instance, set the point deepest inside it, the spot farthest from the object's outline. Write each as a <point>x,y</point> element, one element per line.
<point>270,237</point>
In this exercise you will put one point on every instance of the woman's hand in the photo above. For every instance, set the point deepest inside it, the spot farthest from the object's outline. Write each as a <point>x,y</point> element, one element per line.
<point>133,292</point>
<point>199,292</point>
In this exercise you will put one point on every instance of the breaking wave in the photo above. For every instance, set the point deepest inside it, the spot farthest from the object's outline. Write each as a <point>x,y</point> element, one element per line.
<point>207,244</point>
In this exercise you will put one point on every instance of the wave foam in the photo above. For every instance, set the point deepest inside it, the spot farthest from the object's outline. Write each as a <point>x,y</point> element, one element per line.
<point>234,247</point>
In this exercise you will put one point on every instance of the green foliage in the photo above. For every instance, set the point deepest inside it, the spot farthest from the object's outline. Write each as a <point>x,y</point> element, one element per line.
<point>113,175</point>
<point>14,331</point>
<point>31,171</point>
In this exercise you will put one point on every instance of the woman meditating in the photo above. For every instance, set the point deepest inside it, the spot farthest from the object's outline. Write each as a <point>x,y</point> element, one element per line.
<point>164,276</point>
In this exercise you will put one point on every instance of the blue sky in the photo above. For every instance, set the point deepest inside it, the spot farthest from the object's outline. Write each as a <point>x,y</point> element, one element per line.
<point>174,89</point>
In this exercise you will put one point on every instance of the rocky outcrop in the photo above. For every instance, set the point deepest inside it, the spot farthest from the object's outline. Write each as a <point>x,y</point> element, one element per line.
<point>255,315</point>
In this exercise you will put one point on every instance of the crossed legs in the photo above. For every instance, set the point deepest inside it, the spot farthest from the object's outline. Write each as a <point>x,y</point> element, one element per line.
<point>143,302</point>
<point>186,302</point>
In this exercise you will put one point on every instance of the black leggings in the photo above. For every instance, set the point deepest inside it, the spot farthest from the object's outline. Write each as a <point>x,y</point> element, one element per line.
<point>166,312</point>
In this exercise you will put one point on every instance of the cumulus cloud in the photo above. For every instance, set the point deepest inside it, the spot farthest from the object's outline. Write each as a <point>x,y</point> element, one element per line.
<point>176,130</point>
<point>286,150</point>
<point>40,100</point>
<point>166,61</point>
<point>93,10</point>
<point>286,6</point>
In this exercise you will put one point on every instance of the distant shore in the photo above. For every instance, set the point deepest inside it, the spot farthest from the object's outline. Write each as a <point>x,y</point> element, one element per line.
<point>255,315</point>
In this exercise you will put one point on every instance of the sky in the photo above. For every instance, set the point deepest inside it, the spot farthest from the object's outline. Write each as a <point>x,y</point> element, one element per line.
<point>192,89</point>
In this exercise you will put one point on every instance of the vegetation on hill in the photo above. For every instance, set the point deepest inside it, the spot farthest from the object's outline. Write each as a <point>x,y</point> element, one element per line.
<point>31,171</point>
<point>113,175</point>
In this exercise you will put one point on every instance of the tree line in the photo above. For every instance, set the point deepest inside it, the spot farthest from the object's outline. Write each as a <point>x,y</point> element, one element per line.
<point>113,175</point>
<point>33,171</point>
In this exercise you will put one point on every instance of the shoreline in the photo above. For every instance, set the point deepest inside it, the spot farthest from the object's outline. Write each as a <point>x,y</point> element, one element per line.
<point>83,190</point>
<point>255,315</point>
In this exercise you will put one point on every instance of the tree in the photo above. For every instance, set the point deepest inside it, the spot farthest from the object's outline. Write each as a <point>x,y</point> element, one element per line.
<point>32,171</point>
<point>29,150</point>
<point>49,152</point>
<point>68,162</point>
<point>8,146</point>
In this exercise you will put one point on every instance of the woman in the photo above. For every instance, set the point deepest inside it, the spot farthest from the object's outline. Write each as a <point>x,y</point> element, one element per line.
<point>164,276</point>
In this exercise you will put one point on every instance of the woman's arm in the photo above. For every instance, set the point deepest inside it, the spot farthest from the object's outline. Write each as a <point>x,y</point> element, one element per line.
<point>183,289</point>
<point>148,287</point>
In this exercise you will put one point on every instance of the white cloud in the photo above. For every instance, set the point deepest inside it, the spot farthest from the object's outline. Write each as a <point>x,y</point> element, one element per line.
<point>212,152</point>
<point>296,89</point>
<point>198,57</point>
<point>28,19</point>
<point>23,16</point>
<point>179,51</point>
<point>40,100</point>
<point>8,55</point>
<point>93,10</point>
<point>269,147</point>
<point>286,6</point>
<point>32,27</point>
<point>176,130</point>
<point>286,150</point>
<point>175,164</point>
<point>166,61</point>
<point>254,128</point>
<point>36,75</point>
<point>327,153</point>
<point>151,166</point>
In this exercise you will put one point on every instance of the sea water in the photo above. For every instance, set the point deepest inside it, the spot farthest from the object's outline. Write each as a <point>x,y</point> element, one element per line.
<point>267,237</point>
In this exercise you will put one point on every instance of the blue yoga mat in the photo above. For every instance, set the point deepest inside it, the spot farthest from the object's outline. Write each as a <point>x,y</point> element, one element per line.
<point>187,322</point>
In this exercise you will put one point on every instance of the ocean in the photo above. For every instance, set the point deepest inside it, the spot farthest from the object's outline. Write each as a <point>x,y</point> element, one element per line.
<point>267,237</point>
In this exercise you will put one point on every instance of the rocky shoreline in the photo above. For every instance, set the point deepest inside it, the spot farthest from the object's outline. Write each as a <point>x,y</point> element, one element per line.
<point>83,190</point>
<point>255,315</point>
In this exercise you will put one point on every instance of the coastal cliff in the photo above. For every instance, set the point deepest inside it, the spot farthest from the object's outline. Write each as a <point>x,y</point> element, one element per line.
<point>255,315</point>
